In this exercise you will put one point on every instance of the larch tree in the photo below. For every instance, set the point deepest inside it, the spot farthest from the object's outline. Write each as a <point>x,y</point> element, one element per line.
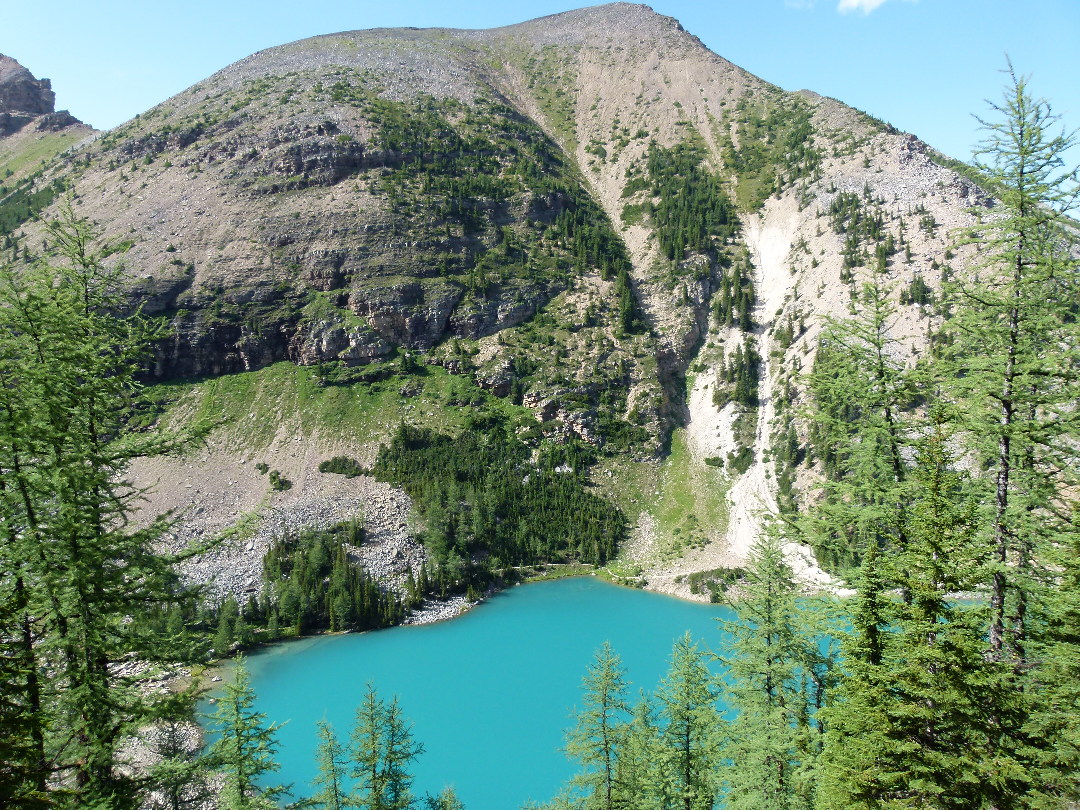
<point>332,760</point>
<point>382,749</point>
<point>638,770</point>
<point>1012,352</point>
<point>70,353</point>
<point>447,799</point>
<point>775,682</point>
<point>246,747</point>
<point>597,737</point>
<point>860,387</point>
<point>909,724</point>
<point>1011,365</point>
<point>689,730</point>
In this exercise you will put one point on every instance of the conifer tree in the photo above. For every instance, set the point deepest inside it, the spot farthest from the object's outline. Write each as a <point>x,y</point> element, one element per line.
<point>382,750</point>
<point>75,570</point>
<point>332,762</point>
<point>23,768</point>
<point>860,388</point>
<point>689,730</point>
<point>1013,352</point>
<point>596,739</point>
<point>179,780</point>
<point>638,771</point>
<point>446,800</point>
<point>246,746</point>
<point>775,674</point>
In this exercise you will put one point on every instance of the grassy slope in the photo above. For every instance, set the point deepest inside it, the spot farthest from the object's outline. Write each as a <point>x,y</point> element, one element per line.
<point>250,407</point>
<point>24,153</point>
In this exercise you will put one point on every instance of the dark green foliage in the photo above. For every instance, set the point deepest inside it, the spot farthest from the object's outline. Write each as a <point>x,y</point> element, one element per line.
<point>861,221</point>
<point>715,582</point>
<point>22,771</point>
<point>74,569</point>
<point>689,723</point>
<point>597,737</point>
<point>342,465</point>
<point>945,705</point>
<point>585,233</point>
<point>862,395</point>
<point>225,634</point>
<point>779,668</point>
<point>734,300</point>
<point>740,460</point>
<point>488,507</point>
<point>659,755</point>
<point>776,147</point>
<point>690,210</point>
<point>278,482</point>
<point>737,377</point>
<point>918,292</point>
<point>180,779</point>
<point>1011,357</point>
<point>311,584</point>
<point>922,713</point>
<point>25,201</point>
<point>629,317</point>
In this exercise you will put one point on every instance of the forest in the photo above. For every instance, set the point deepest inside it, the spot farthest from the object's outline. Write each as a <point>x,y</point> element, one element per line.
<point>949,677</point>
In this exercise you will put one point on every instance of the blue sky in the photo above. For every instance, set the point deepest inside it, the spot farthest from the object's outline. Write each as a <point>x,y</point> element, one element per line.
<point>925,66</point>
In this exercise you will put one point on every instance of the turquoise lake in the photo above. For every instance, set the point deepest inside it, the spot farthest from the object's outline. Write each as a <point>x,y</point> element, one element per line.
<point>489,694</point>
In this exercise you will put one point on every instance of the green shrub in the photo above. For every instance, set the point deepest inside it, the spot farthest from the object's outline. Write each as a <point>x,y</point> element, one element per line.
<point>278,482</point>
<point>342,465</point>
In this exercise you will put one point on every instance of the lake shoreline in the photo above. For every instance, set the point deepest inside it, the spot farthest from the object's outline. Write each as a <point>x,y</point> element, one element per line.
<point>516,664</point>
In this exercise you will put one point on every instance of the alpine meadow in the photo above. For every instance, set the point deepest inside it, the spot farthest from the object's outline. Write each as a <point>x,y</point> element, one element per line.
<point>363,329</point>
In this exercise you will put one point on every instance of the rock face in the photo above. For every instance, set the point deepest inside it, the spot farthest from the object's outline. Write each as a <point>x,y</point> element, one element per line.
<point>20,92</point>
<point>24,99</point>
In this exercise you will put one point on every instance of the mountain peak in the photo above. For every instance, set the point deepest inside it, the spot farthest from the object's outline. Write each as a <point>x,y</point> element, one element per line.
<point>21,93</point>
<point>24,98</point>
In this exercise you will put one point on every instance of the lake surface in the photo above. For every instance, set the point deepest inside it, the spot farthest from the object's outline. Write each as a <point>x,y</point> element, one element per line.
<point>489,694</point>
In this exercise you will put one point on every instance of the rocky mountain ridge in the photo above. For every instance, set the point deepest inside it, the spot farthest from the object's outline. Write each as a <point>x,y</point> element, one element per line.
<point>25,100</point>
<point>589,214</point>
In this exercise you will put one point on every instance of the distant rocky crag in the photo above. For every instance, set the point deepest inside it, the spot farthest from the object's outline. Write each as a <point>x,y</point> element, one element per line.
<point>26,101</point>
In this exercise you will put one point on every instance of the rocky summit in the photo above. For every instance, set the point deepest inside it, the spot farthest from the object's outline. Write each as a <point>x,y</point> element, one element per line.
<point>590,216</point>
<point>25,100</point>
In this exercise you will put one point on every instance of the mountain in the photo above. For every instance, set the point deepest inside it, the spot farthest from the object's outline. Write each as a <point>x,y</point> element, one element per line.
<point>589,216</point>
<point>28,113</point>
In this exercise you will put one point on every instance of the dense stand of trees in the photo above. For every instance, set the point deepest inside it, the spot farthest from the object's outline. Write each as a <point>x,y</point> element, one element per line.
<point>691,210</point>
<point>959,475</point>
<point>487,507</point>
<point>311,583</point>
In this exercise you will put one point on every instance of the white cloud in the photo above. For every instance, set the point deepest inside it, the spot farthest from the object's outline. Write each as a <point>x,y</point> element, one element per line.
<point>865,6</point>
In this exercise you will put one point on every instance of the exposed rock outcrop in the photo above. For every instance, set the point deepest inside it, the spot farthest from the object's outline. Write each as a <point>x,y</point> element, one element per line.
<point>25,100</point>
